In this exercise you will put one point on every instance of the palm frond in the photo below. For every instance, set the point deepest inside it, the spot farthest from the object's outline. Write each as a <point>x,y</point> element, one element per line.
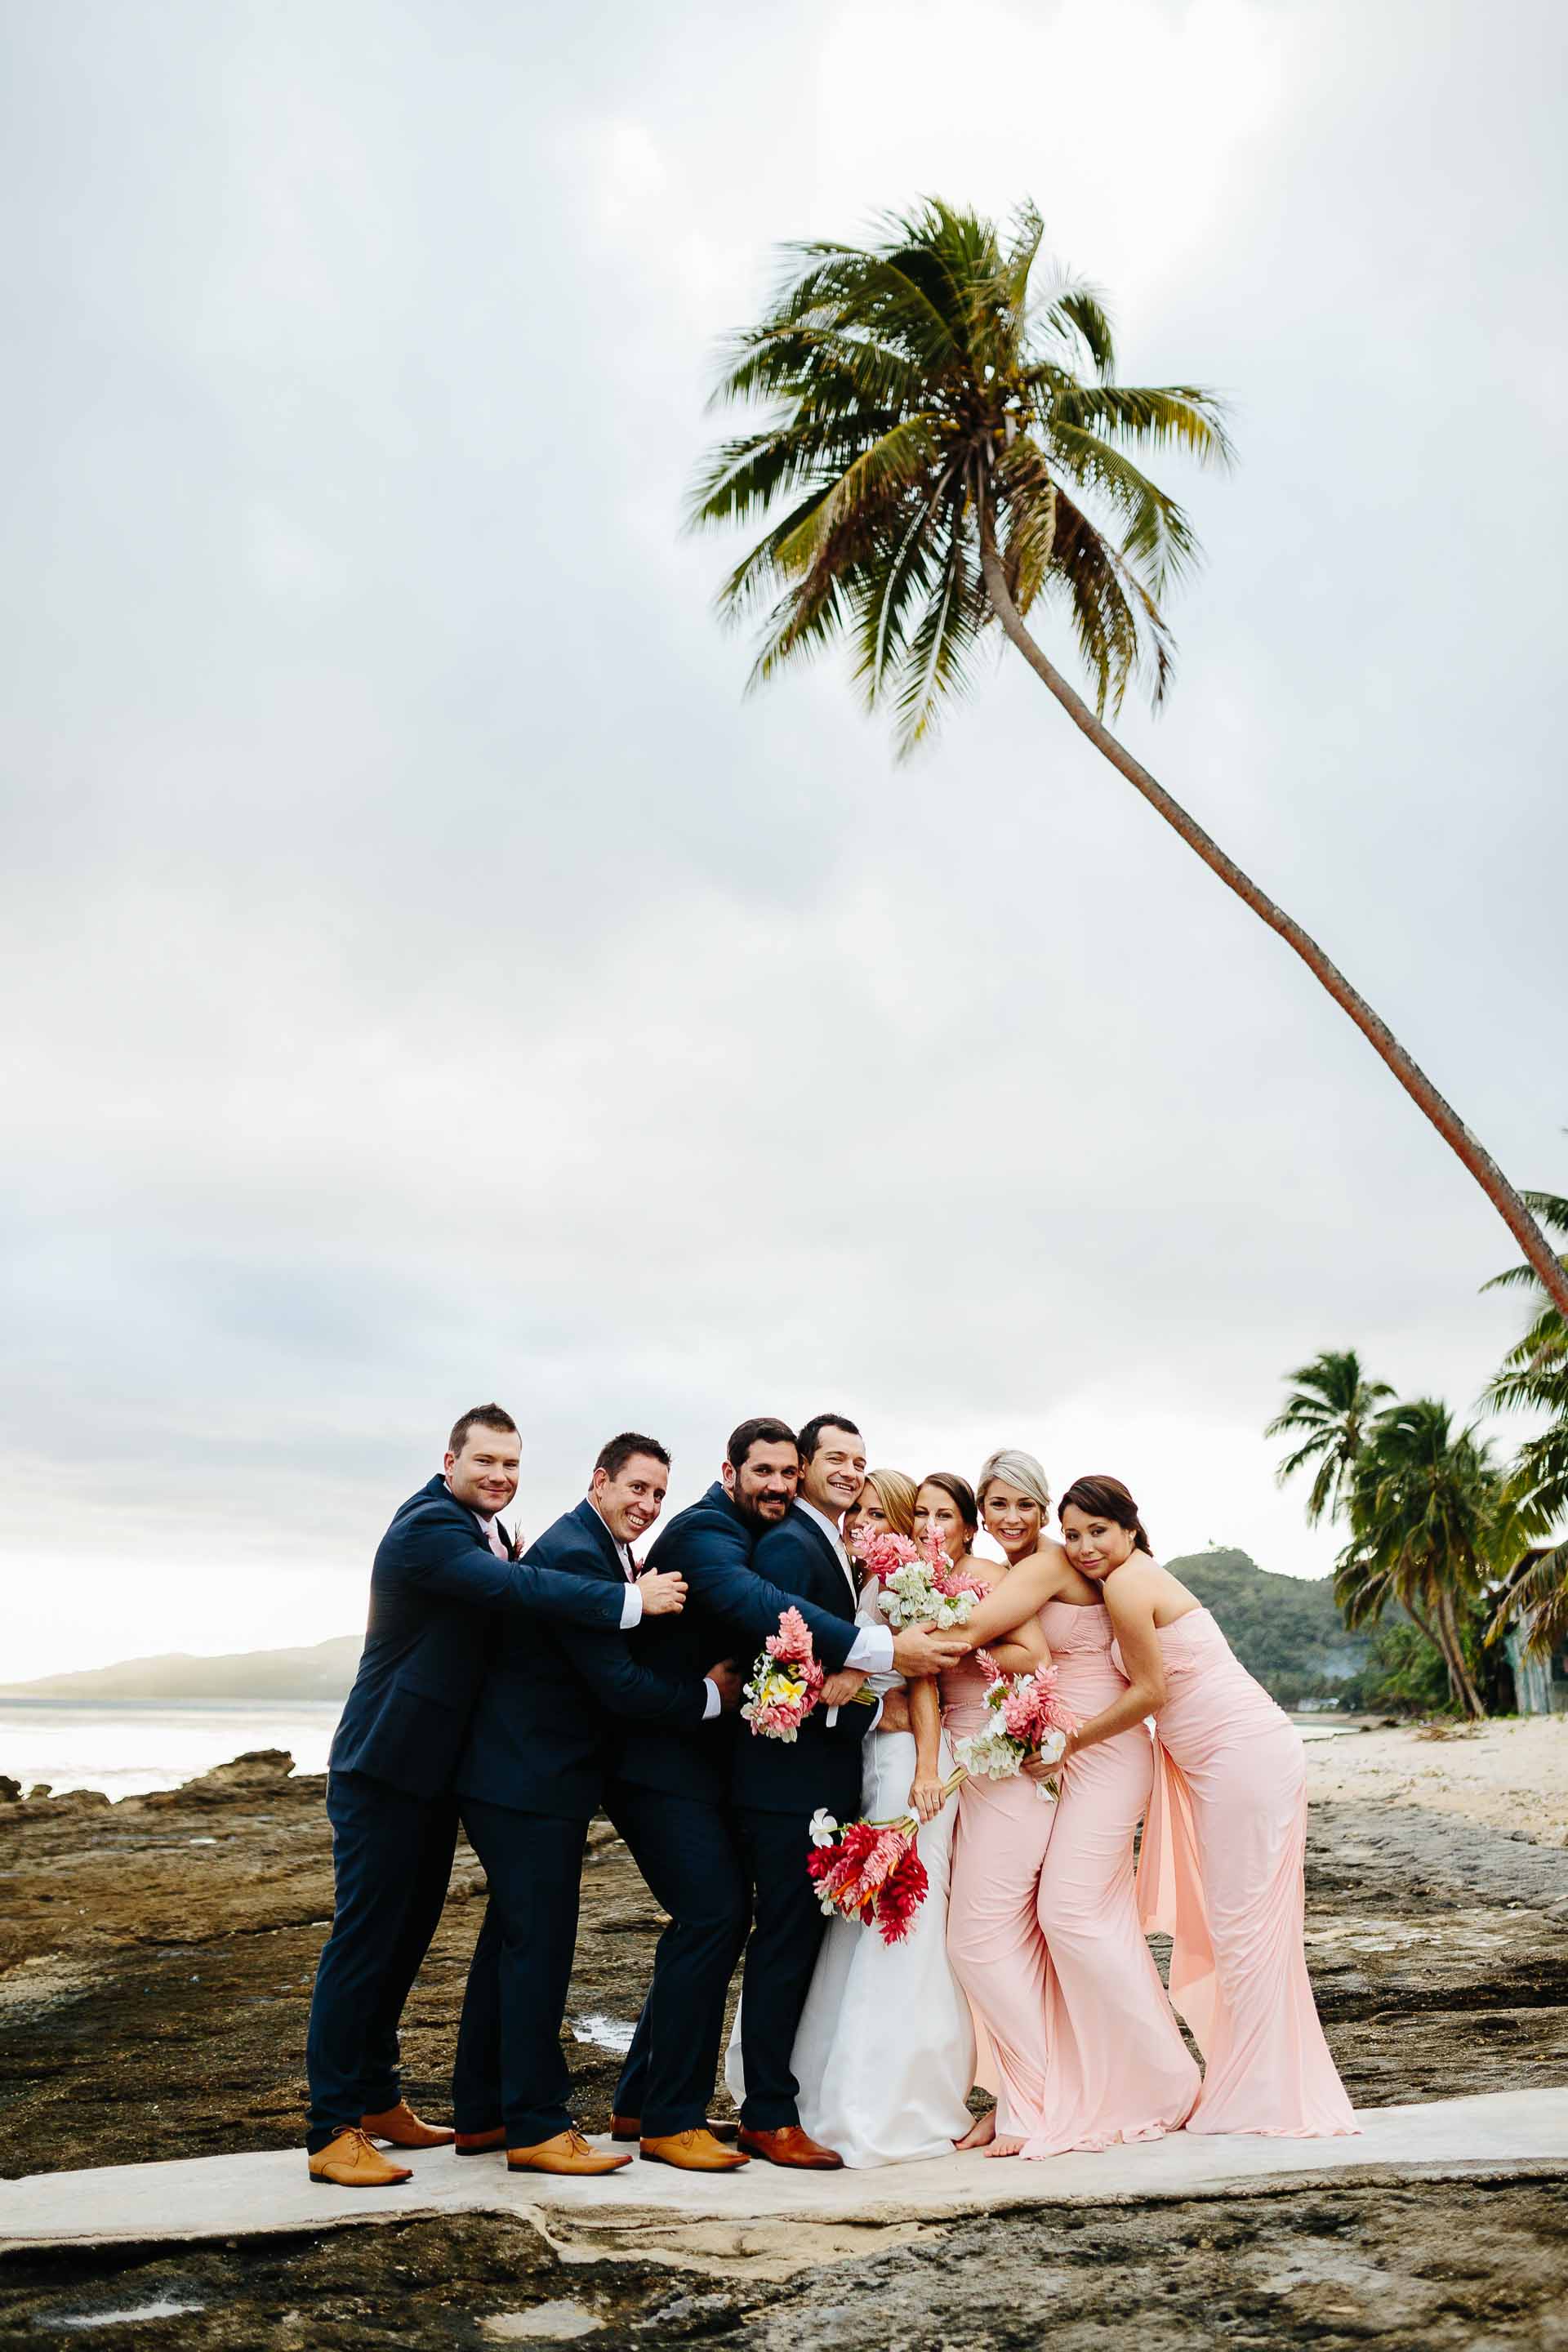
<point>1176,416</point>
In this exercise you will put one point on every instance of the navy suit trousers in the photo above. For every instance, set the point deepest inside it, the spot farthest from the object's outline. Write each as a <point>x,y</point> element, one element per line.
<point>685,1849</point>
<point>392,1859</point>
<point>779,1961</point>
<point>520,1974</point>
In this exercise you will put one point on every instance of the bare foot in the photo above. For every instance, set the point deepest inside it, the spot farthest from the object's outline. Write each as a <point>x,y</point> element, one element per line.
<point>1004,2147</point>
<point>979,2133</point>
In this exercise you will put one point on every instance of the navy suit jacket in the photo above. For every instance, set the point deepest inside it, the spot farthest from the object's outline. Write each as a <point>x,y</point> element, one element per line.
<point>822,1765</point>
<point>434,1593</point>
<point>544,1731</point>
<point>729,1612</point>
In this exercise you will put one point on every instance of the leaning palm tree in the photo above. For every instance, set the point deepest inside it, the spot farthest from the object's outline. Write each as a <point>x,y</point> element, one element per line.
<point>1534,1376</point>
<point>1330,1409</point>
<point>945,449</point>
<point>1430,1526</point>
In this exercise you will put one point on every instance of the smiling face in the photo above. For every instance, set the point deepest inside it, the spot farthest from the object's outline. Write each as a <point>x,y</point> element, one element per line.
<point>935,1507</point>
<point>1011,1519</point>
<point>629,1504</point>
<point>836,1472</point>
<point>1094,1543</point>
<point>868,1513</point>
<point>764,1486</point>
<point>483,1477</point>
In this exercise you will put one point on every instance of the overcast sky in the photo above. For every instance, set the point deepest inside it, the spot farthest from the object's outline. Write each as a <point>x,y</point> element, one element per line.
<point>426,977</point>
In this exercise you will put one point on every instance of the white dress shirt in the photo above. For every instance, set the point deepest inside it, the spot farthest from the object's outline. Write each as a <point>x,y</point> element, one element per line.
<point>871,1651</point>
<point>631,1607</point>
<point>713,1703</point>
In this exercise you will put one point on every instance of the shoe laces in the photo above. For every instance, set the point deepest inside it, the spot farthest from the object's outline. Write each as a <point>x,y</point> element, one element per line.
<point>362,2140</point>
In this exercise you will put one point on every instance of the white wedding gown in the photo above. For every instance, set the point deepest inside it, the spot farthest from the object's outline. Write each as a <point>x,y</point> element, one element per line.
<point>884,2054</point>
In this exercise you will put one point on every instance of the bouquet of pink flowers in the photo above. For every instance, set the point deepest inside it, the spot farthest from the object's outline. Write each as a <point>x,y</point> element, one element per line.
<point>917,1582</point>
<point>869,1871</point>
<point>787,1680</point>
<point>1025,1719</point>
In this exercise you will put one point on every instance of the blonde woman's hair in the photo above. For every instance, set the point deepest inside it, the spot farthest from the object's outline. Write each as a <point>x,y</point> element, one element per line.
<point>1015,1469</point>
<point>897,1495</point>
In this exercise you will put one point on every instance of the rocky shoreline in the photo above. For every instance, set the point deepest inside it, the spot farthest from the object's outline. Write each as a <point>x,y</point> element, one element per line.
<point>156,1964</point>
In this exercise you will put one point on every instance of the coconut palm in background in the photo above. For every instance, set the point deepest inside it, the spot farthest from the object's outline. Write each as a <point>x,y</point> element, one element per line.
<point>1330,1411</point>
<point>945,449</point>
<point>1431,1526</point>
<point>1535,1377</point>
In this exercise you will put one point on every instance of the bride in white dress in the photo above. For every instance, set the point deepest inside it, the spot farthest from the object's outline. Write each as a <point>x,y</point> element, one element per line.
<point>884,2054</point>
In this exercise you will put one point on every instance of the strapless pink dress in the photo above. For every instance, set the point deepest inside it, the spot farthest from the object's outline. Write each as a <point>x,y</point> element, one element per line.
<point>1221,1873</point>
<point>993,1939</point>
<point>1116,2067</point>
<point>1043,1927</point>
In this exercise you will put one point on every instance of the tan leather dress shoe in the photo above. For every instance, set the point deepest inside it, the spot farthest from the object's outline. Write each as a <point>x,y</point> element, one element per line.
<point>403,2128</point>
<point>567,2152</point>
<point>626,2128</point>
<point>693,2151</point>
<point>349,2161</point>
<point>479,2143</point>
<point>792,2148</point>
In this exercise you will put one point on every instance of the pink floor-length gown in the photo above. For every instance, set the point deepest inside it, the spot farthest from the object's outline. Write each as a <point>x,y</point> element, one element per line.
<point>1116,2067</point>
<point>993,1939</point>
<point>1221,1873</point>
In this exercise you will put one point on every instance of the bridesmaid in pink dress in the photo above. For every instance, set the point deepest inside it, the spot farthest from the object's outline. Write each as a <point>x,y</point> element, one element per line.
<point>1221,1867</point>
<point>1048,1944</point>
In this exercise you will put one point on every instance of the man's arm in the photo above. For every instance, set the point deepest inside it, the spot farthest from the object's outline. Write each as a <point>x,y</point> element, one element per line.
<point>622,1686</point>
<point>717,1567</point>
<point>443,1560</point>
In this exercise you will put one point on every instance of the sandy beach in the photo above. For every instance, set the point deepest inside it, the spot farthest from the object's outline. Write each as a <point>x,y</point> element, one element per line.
<point>1511,1774</point>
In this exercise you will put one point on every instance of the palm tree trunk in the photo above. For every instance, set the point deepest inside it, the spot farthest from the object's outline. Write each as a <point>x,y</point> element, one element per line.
<point>1460,1680</point>
<point>1537,1249</point>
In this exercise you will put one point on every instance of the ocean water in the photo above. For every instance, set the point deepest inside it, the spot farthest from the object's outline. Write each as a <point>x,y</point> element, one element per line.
<point>127,1749</point>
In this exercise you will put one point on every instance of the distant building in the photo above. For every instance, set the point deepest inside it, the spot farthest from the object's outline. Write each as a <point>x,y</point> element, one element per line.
<point>1540,1684</point>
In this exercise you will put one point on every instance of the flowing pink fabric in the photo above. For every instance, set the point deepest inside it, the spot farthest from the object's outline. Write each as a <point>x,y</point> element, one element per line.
<point>1043,1927</point>
<point>1221,1873</point>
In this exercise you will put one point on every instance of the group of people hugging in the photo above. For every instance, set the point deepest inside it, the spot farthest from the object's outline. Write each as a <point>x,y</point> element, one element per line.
<point>517,1696</point>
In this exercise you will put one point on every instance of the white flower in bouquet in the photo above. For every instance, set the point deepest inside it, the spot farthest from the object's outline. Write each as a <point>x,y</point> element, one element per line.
<point>911,1597</point>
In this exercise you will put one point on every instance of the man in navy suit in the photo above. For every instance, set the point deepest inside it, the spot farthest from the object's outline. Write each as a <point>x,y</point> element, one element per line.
<point>671,1793</point>
<point>444,1580</point>
<point>533,1772</point>
<point>778,1785</point>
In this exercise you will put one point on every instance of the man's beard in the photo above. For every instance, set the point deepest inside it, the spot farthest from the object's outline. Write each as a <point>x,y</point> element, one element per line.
<point>752,1508</point>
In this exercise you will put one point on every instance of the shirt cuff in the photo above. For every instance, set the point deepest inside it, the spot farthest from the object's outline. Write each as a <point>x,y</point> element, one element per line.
<point>877,1718</point>
<point>631,1609</point>
<point>712,1705</point>
<point>871,1651</point>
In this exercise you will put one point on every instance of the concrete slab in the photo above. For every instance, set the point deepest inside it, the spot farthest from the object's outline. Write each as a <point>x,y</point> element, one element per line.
<point>763,2219</point>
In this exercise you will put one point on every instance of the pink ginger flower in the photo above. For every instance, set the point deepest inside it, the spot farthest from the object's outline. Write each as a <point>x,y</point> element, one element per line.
<point>787,1680</point>
<point>881,1552</point>
<point>903,1891</point>
<point>873,1873</point>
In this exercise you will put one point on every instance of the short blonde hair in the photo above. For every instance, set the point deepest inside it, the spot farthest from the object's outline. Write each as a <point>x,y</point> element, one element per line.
<point>897,1496</point>
<point>1015,1469</point>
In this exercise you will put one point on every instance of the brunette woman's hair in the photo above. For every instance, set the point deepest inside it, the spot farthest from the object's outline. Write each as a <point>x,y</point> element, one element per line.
<point>957,1490</point>
<point>895,1492</point>
<point>1108,1498</point>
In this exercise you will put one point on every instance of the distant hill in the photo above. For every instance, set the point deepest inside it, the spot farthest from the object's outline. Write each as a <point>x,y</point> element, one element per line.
<point>1285,1629</point>
<point>321,1672</point>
